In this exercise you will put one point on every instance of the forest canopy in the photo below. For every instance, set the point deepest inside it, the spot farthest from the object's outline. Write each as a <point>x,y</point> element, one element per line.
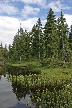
<point>51,43</point>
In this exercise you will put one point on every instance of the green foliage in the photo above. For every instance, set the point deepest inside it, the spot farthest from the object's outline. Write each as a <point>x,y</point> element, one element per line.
<point>50,36</point>
<point>70,38</point>
<point>3,52</point>
<point>51,88</point>
<point>53,63</point>
<point>51,44</point>
<point>20,50</point>
<point>24,69</point>
<point>63,38</point>
<point>2,58</point>
<point>37,43</point>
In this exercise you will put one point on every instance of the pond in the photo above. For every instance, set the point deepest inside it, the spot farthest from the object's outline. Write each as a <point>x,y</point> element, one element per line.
<point>9,98</point>
<point>21,87</point>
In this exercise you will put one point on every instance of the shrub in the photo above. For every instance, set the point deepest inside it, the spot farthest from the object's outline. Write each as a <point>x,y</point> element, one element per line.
<point>52,62</point>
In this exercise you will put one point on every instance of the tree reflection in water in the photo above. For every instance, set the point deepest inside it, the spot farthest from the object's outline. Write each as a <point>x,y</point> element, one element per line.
<point>48,95</point>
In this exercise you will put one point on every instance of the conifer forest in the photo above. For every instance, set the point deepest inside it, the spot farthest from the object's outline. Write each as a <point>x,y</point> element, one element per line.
<point>51,42</point>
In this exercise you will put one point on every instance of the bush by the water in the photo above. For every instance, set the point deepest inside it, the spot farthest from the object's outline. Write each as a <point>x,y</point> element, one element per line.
<point>53,63</point>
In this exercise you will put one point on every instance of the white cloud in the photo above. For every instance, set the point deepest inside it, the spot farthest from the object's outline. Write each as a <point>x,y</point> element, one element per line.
<point>9,27</point>
<point>68,19</point>
<point>38,2</point>
<point>28,24</point>
<point>8,9</point>
<point>28,10</point>
<point>57,6</point>
<point>41,3</point>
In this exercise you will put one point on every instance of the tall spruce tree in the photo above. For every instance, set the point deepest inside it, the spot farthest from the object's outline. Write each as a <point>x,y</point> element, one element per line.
<point>34,42</point>
<point>70,44</point>
<point>50,36</point>
<point>63,38</point>
<point>37,40</point>
<point>40,39</point>
<point>70,38</point>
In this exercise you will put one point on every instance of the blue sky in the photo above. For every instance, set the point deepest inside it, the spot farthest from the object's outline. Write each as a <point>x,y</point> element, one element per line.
<point>26,12</point>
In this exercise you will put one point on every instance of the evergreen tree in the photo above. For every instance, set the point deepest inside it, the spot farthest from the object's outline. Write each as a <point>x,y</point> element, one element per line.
<point>53,42</point>
<point>70,38</point>
<point>40,39</point>
<point>10,52</point>
<point>50,36</point>
<point>34,42</point>
<point>37,42</point>
<point>63,38</point>
<point>21,46</point>
<point>27,45</point>
<point>3,52</point>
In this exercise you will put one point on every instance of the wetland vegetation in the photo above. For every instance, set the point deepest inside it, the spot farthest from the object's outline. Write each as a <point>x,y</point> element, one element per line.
<point>51,88</point>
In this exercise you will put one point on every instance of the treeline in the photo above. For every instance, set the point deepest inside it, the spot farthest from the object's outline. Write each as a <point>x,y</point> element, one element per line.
<point>51,42</point>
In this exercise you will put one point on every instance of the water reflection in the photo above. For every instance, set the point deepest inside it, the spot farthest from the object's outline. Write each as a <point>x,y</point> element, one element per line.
<point>21,105</point>
<point>20,90</point>
<point>2,70</point>
<point>11,93</point>
<point>30,93</point>
<point>23,70</point>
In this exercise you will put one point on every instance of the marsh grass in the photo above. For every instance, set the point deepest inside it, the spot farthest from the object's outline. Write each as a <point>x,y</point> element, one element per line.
<point>52,88</point>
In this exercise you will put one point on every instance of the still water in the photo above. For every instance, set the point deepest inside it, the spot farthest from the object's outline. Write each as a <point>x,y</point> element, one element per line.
<point>11,99</point>
<point>19,88</point>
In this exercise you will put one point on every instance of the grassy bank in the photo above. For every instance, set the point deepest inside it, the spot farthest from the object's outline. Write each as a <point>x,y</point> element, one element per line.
<point>53,74</point>
<point>44,69</point>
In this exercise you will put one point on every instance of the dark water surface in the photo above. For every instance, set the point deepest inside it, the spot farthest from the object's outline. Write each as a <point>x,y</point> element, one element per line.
<point>8,98</point>
<point>19,88</point>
